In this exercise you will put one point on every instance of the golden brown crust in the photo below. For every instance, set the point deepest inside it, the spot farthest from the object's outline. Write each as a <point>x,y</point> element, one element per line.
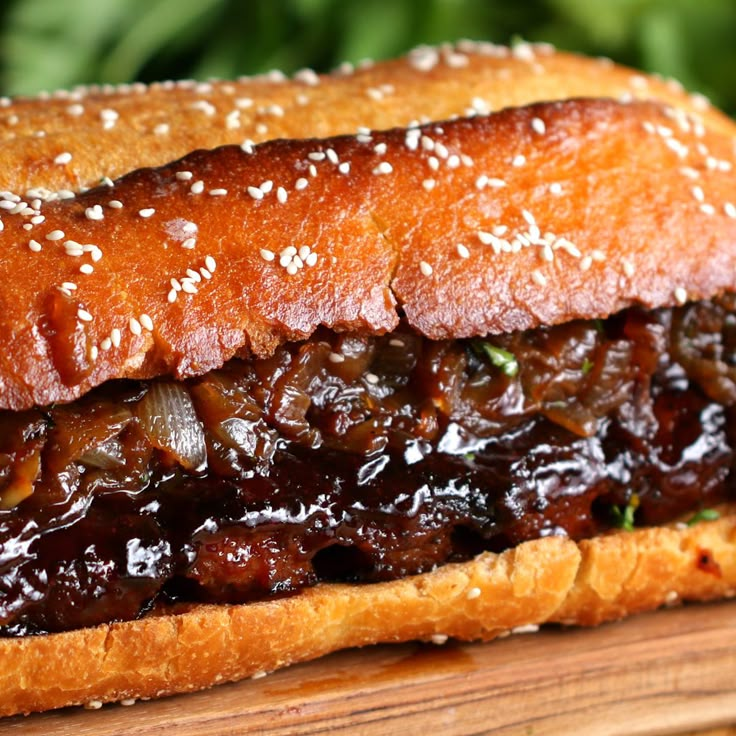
<point>548,580</point>
<point>69,140</point>
<point>529,216</point>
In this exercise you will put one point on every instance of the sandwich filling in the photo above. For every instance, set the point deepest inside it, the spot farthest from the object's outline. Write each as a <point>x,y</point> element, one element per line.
<point>360,458</point>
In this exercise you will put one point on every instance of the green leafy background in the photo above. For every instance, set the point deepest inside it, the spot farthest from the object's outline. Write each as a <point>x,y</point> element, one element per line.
<point>45,44</point>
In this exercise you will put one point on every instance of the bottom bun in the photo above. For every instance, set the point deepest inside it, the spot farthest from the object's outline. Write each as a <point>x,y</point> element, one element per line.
<point>551,580</point>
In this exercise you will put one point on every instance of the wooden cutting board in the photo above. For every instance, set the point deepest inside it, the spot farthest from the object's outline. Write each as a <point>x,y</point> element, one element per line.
<point>667,672</point>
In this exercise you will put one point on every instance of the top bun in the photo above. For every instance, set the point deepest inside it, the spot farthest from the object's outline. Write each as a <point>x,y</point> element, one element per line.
<point>534,215</point>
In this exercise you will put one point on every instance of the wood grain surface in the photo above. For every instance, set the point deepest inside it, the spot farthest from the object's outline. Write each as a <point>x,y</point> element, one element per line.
<point>668,672</point>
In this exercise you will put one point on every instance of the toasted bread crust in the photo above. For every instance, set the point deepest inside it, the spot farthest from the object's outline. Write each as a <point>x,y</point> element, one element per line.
<point>548,580</point>
<point>529,216</point>
<point>71,140</point>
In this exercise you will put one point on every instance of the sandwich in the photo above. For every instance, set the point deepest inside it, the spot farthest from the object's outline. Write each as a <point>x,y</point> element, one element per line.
<point>437,347</point>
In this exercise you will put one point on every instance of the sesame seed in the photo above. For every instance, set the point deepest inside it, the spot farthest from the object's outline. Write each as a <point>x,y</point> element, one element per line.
<point>441,150</point>
<point>218,192</point>
<point>63,158</point>
<point>538,126</point>
<point>336,358</point>
<point>197,187</point>
<point>628,267</point>
<point>188,287</point>
<point>210,263</point>
<point>86,268</point>
<point>93,353</point>
<point>434,163</point>
<point>697,192</point>
<point>84,315</point>
<point>282,195</point>
<point>134,326</point>
<point>425,268</point>
<point>75,110</point>
<point>255,192</point>
<point>266,186</point>
<point>161,129</point>
<point>171,298</point>
<point>518,160</point>
<point>429,184</point>
<point>332,156</point>
<point>247,146</point>
<point>106,344</point>
<point>707,209</point>
<point>496,183</point>
<point>116,204</point>
<point>69,285</point>
<point>94,213</point>
<point>267,255</point>
<point>301,183</point>
<point>344,167</point>
<point>115,337</point>
<point>35,246</point>
<point>146,322</point>
<point>184,175</point>
<point>371,378</point>
<point>146,212</point>
<point>481,182</point>
<point>586,263</point>
<point>55,235</point>
<point>680,295</point>
<point>730,209</point>
<point>525,629</point>
<point>205,273</point>
<point>311,259</point>
<point>463,251</point>
<point>539,278</point>
<point>439,639</point>
<point>193,275</point>
<point>189,243</point>
<point>555,188</point>
<point>473,593</point>
<point>316,156</point>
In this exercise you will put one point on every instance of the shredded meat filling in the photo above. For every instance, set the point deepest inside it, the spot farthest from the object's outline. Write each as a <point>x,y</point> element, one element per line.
<point>360,458</point>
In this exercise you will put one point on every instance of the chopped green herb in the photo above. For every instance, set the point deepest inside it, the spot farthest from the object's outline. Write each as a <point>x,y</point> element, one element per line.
<point>144,477</point>
<point>598,323</point>
<point>587,367</point>
<point>499,357</point>
<point>469,456</point>
<point>704,515</point>
<point>623,518</point>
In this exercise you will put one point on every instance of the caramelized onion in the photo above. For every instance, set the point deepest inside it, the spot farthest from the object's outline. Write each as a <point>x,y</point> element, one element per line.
<point>170,423</point>
<point>106,456</point>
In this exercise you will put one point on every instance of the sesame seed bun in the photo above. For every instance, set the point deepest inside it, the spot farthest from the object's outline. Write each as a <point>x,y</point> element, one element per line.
<point>563,205</point>
<point>529,216</point>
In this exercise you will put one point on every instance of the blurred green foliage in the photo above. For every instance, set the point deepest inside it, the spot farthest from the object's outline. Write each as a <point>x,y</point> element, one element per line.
<point>46,44</point>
